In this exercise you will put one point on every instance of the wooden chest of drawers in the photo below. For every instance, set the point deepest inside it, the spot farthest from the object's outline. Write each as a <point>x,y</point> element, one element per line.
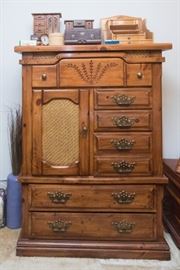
<point>92,156</point>
<point>171,214</point>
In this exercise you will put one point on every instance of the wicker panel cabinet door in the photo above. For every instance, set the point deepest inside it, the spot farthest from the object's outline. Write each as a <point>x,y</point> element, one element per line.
<point>60,132</point>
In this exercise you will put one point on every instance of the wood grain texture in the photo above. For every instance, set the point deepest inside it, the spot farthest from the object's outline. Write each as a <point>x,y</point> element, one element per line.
<point>27,119</point>
<point>103,166</point>
<point>93,226</point>
<point>113,98</point>
<point>44,76</point>
<point>108,143</point>
<point>171,213</point>
<point>92,197</point>
<point>105,120</point>
<point>91,72</point>
<point>139,74</point>
<point>70,48</point>
<point>93,207</point>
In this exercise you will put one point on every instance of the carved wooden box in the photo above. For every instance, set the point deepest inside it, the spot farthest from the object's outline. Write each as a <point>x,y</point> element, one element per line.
<point>45,23</point>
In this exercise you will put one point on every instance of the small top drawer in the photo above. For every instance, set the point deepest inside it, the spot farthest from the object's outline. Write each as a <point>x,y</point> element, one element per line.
<point>139,74</point>
<point>122,98</point>
<point>44,76</point>
<point>91,72</point>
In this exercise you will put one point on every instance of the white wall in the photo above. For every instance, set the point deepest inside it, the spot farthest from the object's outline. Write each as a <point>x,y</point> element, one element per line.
<point>162,19</point>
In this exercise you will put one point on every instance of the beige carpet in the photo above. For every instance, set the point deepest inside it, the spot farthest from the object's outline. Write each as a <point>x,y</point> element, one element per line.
<point>9,261</point>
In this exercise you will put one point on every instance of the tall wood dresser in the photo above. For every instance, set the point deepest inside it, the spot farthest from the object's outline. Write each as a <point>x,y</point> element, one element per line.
<point>92,151</point>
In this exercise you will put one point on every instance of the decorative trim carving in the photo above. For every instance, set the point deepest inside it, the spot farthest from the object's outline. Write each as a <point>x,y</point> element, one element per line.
<point>91,73</point>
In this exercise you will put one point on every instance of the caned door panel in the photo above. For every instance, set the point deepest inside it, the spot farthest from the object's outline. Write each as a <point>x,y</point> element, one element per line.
<point>60,132</point>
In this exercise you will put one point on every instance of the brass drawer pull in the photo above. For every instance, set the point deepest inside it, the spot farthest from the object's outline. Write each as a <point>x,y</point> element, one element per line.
<point>124,122</point>
<point>139,75</point>
<point>123,226</point>
<point>84,130</point>
<point>59,197</point>
<point>123,197</point>
<point>59,225</point>
<point>123,166</point>
<point>44,76</point>
<point>123,100</point>
<point>123,144</point>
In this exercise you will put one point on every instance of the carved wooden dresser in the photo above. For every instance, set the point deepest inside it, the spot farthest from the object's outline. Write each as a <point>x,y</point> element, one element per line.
<point>92,151</point>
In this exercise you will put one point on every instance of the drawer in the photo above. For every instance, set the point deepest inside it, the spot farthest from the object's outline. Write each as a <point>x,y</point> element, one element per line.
<point>124,166</point>
<point>40,29</point>
<point>115,143</point>
<point>122,98</point>
<point>91,197</point>
<point>123,120</point>
<point>139,74</point>
<point>96,226</point>
<point>91,72</point>
<point>44,76</point>
<point>40,23</point>
<point>39,17</point>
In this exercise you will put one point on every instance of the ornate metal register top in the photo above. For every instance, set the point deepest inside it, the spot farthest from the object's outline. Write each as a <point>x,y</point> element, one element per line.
<point>92,168</point>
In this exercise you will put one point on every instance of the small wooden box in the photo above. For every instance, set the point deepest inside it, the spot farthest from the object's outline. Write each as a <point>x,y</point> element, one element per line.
<point>45,23</point>
<point>74,24</point>
<point>81,32</point>
<point>126,29</point>
<point>171,213</point>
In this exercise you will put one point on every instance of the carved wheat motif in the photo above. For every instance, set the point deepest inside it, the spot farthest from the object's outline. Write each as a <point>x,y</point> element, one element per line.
<point>104,70</point>
<point>91,73</point>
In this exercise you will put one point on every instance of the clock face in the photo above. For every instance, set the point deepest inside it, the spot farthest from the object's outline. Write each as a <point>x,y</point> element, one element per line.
<point>45,39</point>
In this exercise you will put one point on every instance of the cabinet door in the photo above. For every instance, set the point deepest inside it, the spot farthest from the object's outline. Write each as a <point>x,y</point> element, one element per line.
<point>60,132</point>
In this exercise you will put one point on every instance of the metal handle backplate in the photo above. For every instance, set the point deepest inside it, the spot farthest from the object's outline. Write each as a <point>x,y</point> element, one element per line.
<point>123,166</point>
<point>59,197</point>
<point>124,197</point>
<point>59,225</point>
<point>123,144</point>
<point>124,121</point>
<point>123,100</point>
<point>123,226</point>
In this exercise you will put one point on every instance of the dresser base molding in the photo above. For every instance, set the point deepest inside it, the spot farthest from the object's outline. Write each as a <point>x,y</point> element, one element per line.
<point>93,249</point>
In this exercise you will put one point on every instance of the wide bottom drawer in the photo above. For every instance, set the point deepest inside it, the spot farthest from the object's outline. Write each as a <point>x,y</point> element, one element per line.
<point>93,226</point>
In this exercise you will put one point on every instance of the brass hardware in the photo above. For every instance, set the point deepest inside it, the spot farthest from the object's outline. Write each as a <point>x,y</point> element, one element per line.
<point>59,197</point>
<point>124,197</point>
<point>84,130</point>
<point>139,75</point>
<point>44,76</point>
<point>123,166</point>
<point>123,144</point>
<point>123,226</point>
<point>59,225</point>
<point>123,100</point>
<point>124,122</point>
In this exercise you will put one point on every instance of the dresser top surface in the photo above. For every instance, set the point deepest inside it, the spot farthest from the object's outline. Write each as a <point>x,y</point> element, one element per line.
<point>95,48</point>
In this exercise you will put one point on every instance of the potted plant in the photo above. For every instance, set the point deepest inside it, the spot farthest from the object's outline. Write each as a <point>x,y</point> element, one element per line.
<point>13,185</point>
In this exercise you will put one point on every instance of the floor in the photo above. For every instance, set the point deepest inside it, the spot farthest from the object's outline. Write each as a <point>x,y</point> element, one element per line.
<point>9,261</point>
